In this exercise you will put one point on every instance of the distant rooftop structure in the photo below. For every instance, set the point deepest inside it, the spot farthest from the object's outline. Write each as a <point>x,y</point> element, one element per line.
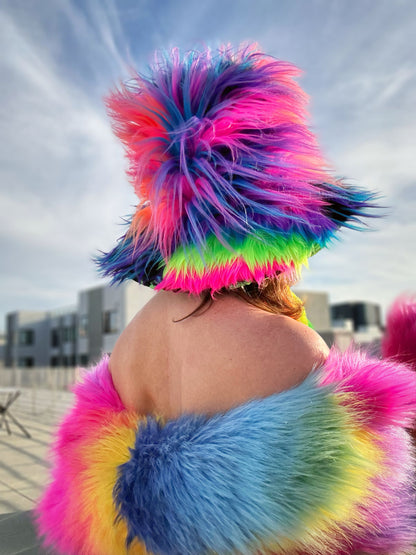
<point>364,315</point>
<point>363,319</point>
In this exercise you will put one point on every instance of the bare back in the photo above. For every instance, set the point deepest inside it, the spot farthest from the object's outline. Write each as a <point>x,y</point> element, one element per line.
<point>222,357</point>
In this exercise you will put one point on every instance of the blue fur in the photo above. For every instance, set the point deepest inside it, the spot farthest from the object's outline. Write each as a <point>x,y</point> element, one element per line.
<point>228,482</point>
<point>123,263</point>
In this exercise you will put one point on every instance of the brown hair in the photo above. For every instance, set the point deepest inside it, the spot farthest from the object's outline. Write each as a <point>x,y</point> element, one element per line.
<point>273,295</point>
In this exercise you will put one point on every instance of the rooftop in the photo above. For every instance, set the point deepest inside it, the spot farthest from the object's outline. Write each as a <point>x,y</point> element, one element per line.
<point>23,474</point>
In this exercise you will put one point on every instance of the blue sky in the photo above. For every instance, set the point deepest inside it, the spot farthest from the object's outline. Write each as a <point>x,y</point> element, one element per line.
<point>62,184</point>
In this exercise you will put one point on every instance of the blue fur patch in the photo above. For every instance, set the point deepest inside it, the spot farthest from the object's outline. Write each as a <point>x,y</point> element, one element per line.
<point>226,483</point>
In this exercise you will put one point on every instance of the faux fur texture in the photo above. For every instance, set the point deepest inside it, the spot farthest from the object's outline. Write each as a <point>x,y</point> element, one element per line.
<point>399,341</point>
<point>324,468</point>
<point>231,182</point>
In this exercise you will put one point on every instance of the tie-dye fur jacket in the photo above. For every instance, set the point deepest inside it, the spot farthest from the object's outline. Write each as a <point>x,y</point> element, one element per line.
<point>324,468</point>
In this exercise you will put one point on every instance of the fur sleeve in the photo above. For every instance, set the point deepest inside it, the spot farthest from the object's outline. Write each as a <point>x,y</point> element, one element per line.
<point>323,468</point>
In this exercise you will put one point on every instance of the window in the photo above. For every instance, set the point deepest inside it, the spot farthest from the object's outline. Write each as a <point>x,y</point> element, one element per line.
<point>83,325</point>
<point>26,362</point>
<point>83,360</point>
<point>26,337</point>
<point>68,334</point>
<point>54,337</point>
<point>71,333</point>
<point>54,362</point>
<point>110,321</point>
<point>72,360</point>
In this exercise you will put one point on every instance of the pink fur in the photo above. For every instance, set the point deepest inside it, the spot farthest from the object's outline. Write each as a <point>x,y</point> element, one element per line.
<point>399,341</point>
<point>57,512</point>
<point>390,386</point>
<point>222,276</point>
<point>389,512</point>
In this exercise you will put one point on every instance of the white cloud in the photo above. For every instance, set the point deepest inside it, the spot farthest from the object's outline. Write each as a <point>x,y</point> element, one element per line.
<point>62,175</point>
<point>63,189</point>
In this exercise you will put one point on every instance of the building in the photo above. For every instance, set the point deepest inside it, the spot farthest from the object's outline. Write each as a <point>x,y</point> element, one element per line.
<point>341,324</point>
<point>26,339</point>
<point>63,338</point>
<point>363,319</point>
<point>317,309</point>
<point>103,313</point>
<point>74,336</point>
<point>2,349</point>
<point>79,335</point>
<point>364,315</point>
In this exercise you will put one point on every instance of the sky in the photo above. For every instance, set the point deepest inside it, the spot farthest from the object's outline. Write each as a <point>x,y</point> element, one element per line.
<point>63,191</point>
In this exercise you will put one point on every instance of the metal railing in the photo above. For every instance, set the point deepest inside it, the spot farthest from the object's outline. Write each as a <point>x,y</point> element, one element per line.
<point>55,379</point>
<point>45,392</point>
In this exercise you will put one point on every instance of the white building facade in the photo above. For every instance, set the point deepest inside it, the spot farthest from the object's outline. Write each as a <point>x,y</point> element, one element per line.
<point>74,336</point>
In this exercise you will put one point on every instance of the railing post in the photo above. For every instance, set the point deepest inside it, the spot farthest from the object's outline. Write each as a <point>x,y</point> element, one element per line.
<point>33,385</point>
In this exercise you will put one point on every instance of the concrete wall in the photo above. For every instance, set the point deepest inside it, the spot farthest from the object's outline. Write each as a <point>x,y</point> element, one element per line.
<point>95,335</point>
<point>82,328</point>
<point>317,308</point>
<point>124,301</point>
<point>100,306</point>
<point>36,352</point>
<point>136,296</point>
<point>113,312</point>
<point>63,339</point>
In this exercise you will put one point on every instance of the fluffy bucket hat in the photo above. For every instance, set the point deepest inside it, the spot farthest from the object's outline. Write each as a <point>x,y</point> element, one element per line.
<point>231,182</point>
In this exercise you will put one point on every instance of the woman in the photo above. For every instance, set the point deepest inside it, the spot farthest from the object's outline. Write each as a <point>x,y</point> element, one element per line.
<point>167,362</point>
<point>221,423</point>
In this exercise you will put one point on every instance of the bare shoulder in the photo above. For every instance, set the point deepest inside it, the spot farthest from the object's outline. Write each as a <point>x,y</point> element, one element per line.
<point>168,363</point>
<point>286,350</point>
<point>142,361</point>
<point>130,361</point>
<point>238,352</point>
<point>294,344</point>
<point>295,337</point>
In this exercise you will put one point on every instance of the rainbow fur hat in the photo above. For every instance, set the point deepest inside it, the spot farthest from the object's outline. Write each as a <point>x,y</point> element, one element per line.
<point>232,185</point>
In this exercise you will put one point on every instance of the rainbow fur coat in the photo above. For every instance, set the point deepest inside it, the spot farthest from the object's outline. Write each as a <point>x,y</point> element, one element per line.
<point>324,468</point>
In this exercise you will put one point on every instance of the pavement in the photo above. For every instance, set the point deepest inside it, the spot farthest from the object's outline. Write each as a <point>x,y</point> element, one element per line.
<point>23,475</point>
<point>18,535</point>
<point>23,465</point>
